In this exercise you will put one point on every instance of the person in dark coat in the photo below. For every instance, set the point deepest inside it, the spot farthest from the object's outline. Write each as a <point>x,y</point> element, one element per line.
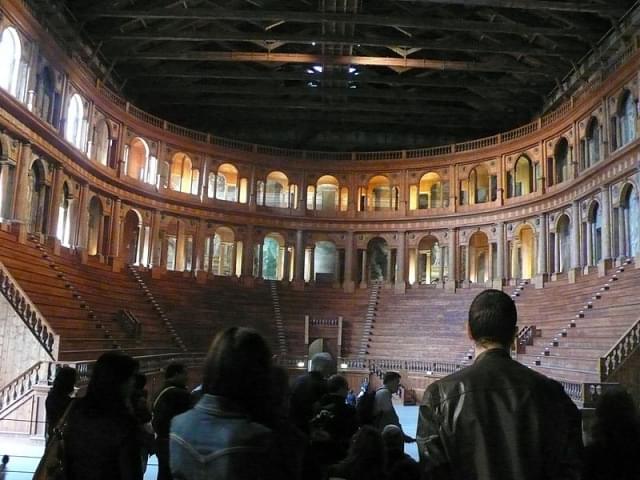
<point>498,419</point>
<point>59,396</point>
<point>173,399</point>
<point>101,434</point>
<point>337,419</point>
<point>308,389</point>
<point>611,454</point>
<point>399,464</point>
<point>139,403</point>
<point>366,458</point>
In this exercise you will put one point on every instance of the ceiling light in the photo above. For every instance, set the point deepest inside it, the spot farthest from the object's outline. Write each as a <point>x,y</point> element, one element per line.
<point>313,44</point>
<point>352,69</point>
<point>310,71</point>
<point>344,365</point>
<point>300,364</point>
<point>317,68</point>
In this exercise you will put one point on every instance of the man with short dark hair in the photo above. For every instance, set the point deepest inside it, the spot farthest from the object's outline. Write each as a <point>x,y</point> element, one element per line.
<point>172,400</point>
<point>498,419</point>
<point>384,412</point>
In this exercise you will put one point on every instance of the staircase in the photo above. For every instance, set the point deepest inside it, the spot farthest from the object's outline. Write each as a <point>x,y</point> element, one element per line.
<point>370,317</point>
<point>156,306</point>
<point>277,316</point>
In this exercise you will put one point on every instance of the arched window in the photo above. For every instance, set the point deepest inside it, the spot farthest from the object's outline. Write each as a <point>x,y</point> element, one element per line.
<point>521,178</point>
<point>10,57</point>
<point>211,185</point>
<point>479,185</point>
<point>137,158</point>
<point>195,182</point>
<point>74,129</point>
<point>260,192</point>
<point>327,193</point>
<point>181,173</point>
<point>429,192</point>
<point>629,223</point>
<point>277,193</point>
<point>311,197</point>
<point>227,183</point>
<point>591,144</point>
<point>562,246</point>
<point>561,167</point>
<point>64,217</point>
<point>101,142</point>
<point>627,119</point>
<point>45,94</point>
<point>379,193</point>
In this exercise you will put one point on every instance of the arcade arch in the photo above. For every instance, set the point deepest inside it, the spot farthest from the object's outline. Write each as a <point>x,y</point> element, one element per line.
<point>478,252</point>
<point>272,256</point>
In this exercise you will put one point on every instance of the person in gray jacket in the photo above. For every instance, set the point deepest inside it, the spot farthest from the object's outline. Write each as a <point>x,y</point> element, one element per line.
<point>221,436</point>
<point>498,419</point>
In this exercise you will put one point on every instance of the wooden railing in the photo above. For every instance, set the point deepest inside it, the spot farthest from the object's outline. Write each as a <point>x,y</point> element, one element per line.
<point>28,312</point>
<point>129,323</point>
<point>525,338</point>
<point>620,352</point>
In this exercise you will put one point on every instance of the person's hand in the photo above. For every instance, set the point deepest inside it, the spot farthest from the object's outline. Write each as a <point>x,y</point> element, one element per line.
<point>408,439</point>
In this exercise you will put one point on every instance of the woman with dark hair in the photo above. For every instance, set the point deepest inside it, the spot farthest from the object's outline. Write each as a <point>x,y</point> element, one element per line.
<point>615,439</point>
<point>221,437</point>
<point>366,457</point>
<point>59,396</point>
<point>101,434</point>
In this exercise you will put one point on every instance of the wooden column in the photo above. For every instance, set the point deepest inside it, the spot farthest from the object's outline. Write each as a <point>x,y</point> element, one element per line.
<point>400,284</point>
<point>348,284</point>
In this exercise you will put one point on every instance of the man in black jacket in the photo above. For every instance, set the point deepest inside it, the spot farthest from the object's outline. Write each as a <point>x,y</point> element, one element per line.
<point>172,400</point>
<point>498,419</point>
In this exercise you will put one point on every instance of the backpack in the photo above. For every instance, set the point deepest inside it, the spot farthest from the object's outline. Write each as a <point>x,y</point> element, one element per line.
<point>365,407</point>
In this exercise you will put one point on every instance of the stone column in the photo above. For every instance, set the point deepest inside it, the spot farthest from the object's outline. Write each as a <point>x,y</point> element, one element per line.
<point>556,253</point>
<point>589,261</point>
<point>606,231</point>
<point>348,284</point>
<point>451,279</point>
<point>363,276</point>
<point>541,274</point>
<point>298,261</point>
<point>575,241</point>
<point>400,284</point>
<point>498,280</point>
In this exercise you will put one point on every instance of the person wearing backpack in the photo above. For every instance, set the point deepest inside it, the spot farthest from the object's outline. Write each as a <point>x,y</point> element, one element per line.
<point>384,412</point>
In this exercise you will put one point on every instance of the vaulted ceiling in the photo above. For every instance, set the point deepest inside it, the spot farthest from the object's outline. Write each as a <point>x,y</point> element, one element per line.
<point>338,74</point>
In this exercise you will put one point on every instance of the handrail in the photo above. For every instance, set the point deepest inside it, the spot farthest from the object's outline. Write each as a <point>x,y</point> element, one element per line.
<point>129,322</point>
<point>28,312</point>
<point>328,322</point>
<point>620,352</point>
<point>476,144</point>
<point>525,338</point>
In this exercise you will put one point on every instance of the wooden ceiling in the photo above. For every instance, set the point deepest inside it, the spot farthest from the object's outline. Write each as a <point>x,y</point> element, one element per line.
<point>337,74</point>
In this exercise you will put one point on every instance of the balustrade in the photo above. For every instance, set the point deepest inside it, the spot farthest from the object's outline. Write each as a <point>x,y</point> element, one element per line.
<point>28,312</point>
<point>623,348</point>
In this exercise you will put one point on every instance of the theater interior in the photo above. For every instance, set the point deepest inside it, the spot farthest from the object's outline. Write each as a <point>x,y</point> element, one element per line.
<point>343,176</point>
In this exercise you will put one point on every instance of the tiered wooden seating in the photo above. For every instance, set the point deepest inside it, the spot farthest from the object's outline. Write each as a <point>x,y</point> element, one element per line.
<point>323,303</point>
<point>424,324</point>
<point>53,296</point>
<point>552,309</point>
<point>199,310</point>
<point>107,293</point>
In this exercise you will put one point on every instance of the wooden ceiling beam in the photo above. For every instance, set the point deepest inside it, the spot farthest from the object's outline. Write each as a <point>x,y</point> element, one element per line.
<point>508,48</point>
<point>346,60</point>
<point>315,17</point>
<point>585,6</point>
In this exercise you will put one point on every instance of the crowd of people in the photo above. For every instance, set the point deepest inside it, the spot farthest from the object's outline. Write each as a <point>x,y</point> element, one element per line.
<point>494,420</point>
